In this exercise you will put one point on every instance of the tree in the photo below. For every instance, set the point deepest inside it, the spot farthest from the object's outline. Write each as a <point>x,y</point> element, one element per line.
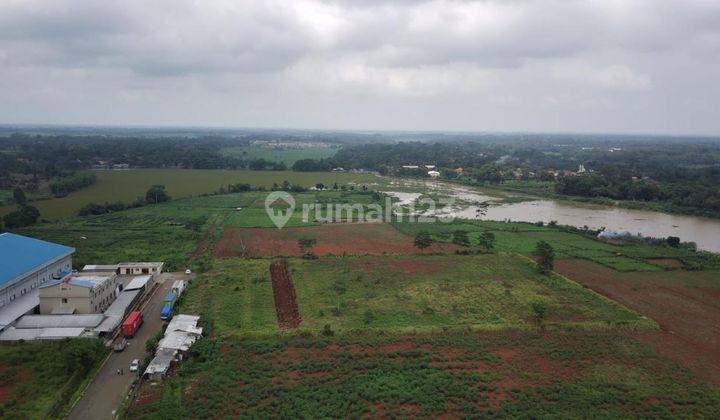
<point>25,216</point>
<point>546,257</point>
<point>673,241</point>
<point>19,196</point>
<point>306,245</point>
<point>487,241</point>
<point>423,240</point>
<point>460,237</point>
<point>540,312</point>
<point>156,194</point>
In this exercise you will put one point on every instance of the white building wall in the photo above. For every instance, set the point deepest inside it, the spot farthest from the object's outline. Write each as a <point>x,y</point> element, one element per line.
<point>11,291</point>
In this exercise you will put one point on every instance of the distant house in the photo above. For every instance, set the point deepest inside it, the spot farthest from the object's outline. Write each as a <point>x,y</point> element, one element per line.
<point>429,166</point>
<point>137,268</point>
<point>433,174</point>
<point>410,167</point>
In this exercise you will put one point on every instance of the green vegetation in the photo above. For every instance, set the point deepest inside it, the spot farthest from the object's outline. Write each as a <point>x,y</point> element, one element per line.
<point>492,374</point>
<point>522,238</point>
<point>37,380</point>
<point>286,155</point>
<point>402,293</point>
<point>127,186</point>
<point>63,186</point>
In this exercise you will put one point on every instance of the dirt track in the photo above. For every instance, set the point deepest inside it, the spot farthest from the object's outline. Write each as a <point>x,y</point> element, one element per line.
<point>686,306</point>
<point>286,305</point>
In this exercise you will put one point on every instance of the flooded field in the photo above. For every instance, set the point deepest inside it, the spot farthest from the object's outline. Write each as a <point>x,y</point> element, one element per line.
<point>705,232</point>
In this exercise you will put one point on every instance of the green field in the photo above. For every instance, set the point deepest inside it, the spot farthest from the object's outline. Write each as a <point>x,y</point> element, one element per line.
<point>400,293</point>
<point>508,374</point>
<point>38,380</point>
<point>286,156</point>
<point>169,231</point>
<point>523,237</point>
<point>396,335</point>
<point>126,186</point>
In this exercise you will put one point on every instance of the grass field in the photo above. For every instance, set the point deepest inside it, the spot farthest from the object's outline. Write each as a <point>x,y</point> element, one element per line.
<point>37,380</point>
<point>504,374</point>
<point>523,237</point>
<point>286,156</point>
<point>684,303</point>
<point>126,186</point>
<point>400,293</point>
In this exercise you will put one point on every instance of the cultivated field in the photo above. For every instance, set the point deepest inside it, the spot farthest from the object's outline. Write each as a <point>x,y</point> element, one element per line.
<point>286,156</point>
<point>685,304</point>
<point>452,375</point>
<point>126,186</point>
<point>336,239</point>
<point>401,293</point>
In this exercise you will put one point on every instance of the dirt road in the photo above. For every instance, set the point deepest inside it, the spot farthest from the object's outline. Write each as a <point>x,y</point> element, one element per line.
<point>104,395</point>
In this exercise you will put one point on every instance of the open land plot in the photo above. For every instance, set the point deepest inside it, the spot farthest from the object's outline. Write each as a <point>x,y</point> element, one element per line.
<point>523,237</point>
<point>401,293</point>
<point>126,186</point>
<point>685,304</point>
<point>286,156</point>
<point>38,380</point>
<point>493,374</point>
<point>335,239</point>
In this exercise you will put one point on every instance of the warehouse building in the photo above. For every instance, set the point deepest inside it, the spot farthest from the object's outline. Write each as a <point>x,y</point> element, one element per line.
<point>25,265</point>
<point>79,294</point>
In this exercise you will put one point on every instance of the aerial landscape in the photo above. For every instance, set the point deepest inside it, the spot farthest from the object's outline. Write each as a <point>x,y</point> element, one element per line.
<point>425,209</point>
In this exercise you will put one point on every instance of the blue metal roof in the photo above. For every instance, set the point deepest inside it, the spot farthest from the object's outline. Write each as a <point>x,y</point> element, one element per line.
<point>20,255</point>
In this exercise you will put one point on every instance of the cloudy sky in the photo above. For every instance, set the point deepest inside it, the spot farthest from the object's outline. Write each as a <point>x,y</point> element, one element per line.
<point>634,66</point>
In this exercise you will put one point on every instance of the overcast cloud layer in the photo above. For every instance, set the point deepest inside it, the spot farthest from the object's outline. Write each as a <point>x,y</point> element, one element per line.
<point>650,66</point>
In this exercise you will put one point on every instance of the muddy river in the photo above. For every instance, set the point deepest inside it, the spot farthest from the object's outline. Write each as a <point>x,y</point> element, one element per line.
<point>705,232</point>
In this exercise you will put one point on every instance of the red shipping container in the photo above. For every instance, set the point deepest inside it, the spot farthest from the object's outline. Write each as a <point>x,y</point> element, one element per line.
<point>131,324</point>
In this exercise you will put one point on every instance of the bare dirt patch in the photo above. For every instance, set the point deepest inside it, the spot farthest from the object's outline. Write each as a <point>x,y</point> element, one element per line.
<point>202,244</point>
<point>667,263</point>
<point>688,315</point>
<point>340,239</point>
<point>284,295</point>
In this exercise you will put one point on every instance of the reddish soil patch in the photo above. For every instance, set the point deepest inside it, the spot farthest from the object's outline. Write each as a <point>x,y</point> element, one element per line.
<point>689,316</point>
<point>202,245</point>
<point>339,239</point>
<point>669,263</point>
<point>286,305</point>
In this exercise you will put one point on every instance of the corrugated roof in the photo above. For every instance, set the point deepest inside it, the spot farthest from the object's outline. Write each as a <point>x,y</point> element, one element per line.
<point>161,362</point>
<point>138,282</point>
<point>20,255</point>
<point>99,267</point>
<point>60,321</point>
<point>116,311</point>
<point>19,307</point>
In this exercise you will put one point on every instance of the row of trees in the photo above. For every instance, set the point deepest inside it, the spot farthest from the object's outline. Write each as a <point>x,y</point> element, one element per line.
<point>156,194</point>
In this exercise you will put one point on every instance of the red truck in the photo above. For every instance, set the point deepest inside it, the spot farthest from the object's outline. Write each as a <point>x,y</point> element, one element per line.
<point>131,324</point>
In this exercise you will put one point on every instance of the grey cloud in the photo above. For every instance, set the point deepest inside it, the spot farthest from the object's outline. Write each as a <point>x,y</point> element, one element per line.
<point>279,62</point>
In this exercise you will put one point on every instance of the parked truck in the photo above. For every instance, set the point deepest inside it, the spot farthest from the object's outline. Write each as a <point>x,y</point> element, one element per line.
<point>131,324</point>
<point>171,299</point>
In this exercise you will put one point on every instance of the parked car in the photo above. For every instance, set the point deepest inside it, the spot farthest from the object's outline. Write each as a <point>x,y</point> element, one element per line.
<point>120,345</point>
<point>188,271</point>
<point>135,365</point>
